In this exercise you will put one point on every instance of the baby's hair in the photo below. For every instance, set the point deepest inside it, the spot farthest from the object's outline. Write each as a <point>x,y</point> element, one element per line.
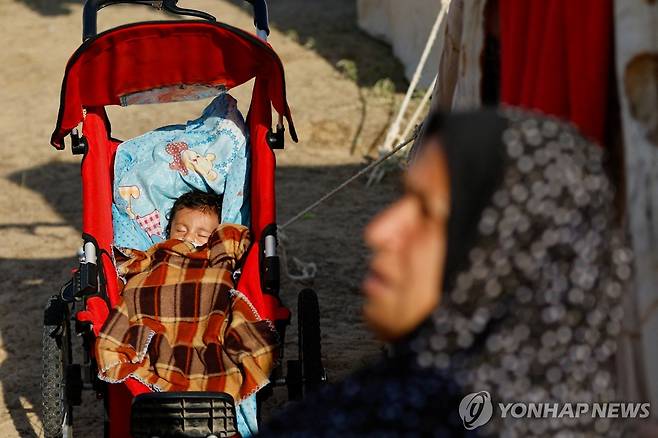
<point>196,200</point>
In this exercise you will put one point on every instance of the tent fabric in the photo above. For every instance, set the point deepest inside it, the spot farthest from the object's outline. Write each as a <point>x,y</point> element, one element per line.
<point>556,57</point>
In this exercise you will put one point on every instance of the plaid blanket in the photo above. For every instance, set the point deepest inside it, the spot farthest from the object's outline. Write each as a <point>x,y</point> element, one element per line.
<point>181,326</point>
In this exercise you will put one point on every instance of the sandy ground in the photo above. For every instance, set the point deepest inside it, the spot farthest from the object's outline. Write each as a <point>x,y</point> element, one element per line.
<point>340,105</point>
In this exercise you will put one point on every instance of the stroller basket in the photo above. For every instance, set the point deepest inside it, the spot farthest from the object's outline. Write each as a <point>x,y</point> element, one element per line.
<point>183,414</point>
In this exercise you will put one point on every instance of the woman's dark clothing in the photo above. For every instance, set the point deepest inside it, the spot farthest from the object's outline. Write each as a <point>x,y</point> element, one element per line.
<point>394,398</point>
<point>530,309</point>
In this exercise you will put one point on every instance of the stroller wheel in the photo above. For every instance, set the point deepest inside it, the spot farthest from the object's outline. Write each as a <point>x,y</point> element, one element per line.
<point>294,380</point>
<point>55,354</point>
<point>310,355</point>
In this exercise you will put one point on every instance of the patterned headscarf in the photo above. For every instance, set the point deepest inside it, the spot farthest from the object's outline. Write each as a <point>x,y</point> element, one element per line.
<point>535,315</point>
<point>530,311</point>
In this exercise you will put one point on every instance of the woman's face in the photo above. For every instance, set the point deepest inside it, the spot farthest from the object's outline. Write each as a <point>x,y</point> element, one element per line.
<point>408,243</point>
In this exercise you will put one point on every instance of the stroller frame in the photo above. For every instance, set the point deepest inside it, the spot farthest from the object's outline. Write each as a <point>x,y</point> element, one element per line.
<point>99,73</point>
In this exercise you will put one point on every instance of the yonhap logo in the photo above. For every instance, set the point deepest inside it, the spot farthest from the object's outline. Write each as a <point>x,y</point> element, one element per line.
<point>476,409</point>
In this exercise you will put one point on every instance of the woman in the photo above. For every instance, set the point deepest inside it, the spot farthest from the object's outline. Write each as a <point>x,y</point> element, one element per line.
<point>509,215</point>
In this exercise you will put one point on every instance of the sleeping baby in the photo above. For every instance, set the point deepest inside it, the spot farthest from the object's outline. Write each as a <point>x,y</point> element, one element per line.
<point>194,216</point>
<point>181,325</point>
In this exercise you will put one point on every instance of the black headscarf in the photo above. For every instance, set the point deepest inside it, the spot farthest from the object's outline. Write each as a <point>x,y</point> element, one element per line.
<point>533,277</point>
<point>472,144</point>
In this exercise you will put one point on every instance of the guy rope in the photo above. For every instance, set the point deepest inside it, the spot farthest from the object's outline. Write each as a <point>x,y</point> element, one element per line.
<point>308,270</point>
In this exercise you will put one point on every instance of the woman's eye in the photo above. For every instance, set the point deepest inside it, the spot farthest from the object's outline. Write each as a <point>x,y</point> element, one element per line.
<point>423,208</point>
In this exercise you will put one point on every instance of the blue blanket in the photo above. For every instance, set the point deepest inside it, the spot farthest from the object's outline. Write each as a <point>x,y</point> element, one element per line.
<point>152,170</point>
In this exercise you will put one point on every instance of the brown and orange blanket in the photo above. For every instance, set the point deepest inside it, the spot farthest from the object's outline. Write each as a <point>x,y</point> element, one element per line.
<point>181,326</point>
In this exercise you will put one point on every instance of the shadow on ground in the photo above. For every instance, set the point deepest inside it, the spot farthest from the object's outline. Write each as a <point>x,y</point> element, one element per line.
<point>330,29</point>
<point>327,27</point>
<point>330,237</point>
<point>51,7</point>
<point>59,183</point>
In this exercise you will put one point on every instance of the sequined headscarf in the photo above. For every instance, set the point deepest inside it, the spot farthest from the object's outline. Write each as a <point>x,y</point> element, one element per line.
<point>530,308</point>
<point>532,313</point>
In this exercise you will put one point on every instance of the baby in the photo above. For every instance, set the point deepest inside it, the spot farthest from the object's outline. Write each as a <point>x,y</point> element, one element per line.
<point>181,325</point>
<point>194,216</point>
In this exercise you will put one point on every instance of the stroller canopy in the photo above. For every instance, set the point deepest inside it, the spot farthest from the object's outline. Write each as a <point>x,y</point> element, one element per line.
<point>148,56</point>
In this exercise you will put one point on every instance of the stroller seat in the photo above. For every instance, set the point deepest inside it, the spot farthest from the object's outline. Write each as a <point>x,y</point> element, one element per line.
<point>147,56</point>
<point>146,63</point>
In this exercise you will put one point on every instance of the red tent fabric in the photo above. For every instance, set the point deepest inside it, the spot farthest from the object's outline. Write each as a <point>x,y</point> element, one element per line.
<point>556,57</point>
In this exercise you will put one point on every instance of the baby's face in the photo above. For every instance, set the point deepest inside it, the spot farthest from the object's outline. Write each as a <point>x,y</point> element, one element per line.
<point>193,226</point>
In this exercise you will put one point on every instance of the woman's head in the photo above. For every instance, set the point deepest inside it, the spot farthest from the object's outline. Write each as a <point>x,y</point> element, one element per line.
<point>194,216</point>
<point>408,242</point>
<point>421,240</point>
<point>535,267</point>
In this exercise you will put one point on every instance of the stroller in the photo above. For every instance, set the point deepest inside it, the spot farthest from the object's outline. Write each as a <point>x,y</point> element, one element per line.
<point>191,54</point>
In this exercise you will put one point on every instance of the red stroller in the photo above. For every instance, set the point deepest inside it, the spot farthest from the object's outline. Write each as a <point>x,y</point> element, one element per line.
<point>106,68</point>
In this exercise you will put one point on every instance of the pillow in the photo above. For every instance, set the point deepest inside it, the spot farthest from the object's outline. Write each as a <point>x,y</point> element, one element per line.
<point>151,171</point>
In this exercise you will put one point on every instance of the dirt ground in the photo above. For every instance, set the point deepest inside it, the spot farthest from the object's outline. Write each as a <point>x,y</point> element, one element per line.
<point>341,88</point>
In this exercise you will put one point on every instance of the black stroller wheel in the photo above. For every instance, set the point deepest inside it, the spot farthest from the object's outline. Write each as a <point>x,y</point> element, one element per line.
<point>310,354</point>
<point>55,357</point>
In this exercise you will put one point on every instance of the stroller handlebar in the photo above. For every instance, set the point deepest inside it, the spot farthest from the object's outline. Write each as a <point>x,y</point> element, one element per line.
<point>91,8</point>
